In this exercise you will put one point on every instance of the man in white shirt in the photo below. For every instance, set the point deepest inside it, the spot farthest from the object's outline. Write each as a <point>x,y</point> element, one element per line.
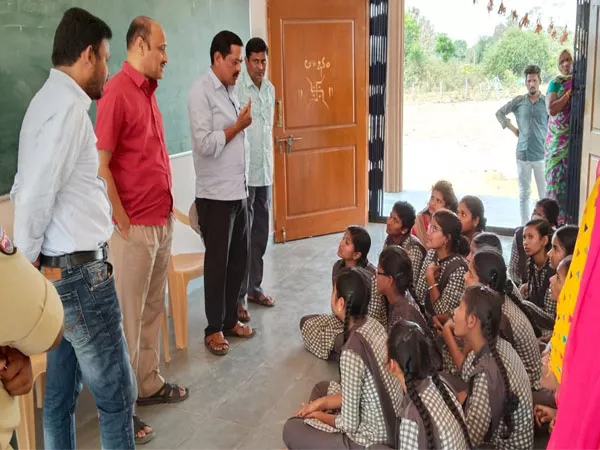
<point>220,158</point>
<point>254,87</point>
<point>62,224</point>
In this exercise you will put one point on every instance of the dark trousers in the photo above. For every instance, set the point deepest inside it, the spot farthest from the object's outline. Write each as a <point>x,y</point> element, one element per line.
<point>259,205</point>
<point>224,226</point>
<point>13,442</point>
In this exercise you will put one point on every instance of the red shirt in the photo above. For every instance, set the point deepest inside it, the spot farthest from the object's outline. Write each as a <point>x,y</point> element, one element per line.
<point>130,125</point>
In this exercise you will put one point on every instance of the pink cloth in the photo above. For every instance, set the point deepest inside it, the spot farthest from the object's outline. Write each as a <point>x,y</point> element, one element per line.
<point>579,397</point>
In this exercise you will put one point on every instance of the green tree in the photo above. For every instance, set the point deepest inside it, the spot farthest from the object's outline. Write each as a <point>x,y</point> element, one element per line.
<point>516,50</point>
<point>480,48</point>
<point>444,47</point>
<point>460,49</point>
<point>413,54</point>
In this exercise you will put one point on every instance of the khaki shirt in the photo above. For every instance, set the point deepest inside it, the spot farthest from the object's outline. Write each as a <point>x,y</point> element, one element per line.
<point>31,316</point>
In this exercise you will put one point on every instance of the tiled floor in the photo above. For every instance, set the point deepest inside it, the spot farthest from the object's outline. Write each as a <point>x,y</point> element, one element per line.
<point>243,399</point>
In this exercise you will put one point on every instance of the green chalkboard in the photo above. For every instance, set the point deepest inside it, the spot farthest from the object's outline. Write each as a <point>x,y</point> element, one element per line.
<point>26,34</point>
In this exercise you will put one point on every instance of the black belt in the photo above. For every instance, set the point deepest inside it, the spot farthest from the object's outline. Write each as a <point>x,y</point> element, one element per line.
<point>74,259</point>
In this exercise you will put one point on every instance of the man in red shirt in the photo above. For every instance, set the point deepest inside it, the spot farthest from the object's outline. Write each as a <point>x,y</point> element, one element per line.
<point>135,164</point>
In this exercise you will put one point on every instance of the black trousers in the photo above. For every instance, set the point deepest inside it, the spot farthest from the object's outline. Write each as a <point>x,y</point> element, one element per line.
<point>13,441</point>
<point>259,205</point>
<point>224,227</point>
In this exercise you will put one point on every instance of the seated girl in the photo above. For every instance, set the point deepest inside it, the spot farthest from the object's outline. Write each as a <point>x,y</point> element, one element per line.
<point>441,281</point>
<point>361,410</point>
<point>498,408</point>
<point>472,216</point>
<point>322,333</point>
<point>398,226</point>
<point>430,415</point>
<point>563,244</point>
<point>484,240</point>
<point>488,268</point>
<point>547,209</point>
<point>395,284</point>
<point>442,197</point>
<point>537,237</point>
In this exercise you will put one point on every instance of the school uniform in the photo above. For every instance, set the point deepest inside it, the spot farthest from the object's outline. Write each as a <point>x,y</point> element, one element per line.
<point>538,294</point>
<point>522,338</point>
<point>517,267</point>
<point>415,250</point>
<point>451,282</point>
<point>407,309</point>
<point>447,431</point>
<point>322,333</point>
<point>485,401</point>
<point>371,397</point>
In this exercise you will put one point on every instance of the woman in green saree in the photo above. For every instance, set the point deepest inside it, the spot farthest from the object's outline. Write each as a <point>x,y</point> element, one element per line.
<point>558,104</point>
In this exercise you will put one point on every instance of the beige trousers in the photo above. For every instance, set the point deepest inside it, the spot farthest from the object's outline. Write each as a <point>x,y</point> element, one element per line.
<point>141,264</point>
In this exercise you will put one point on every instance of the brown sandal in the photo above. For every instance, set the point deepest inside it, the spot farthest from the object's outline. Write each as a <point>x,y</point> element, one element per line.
<point>243,315</point>
<point>217,344</point>
<point>262,300</point>
<point>240,330</point>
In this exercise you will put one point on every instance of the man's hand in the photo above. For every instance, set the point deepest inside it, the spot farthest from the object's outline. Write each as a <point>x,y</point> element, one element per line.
<point>123,224</point>
<point>245,118</point>
<point>17,378</point>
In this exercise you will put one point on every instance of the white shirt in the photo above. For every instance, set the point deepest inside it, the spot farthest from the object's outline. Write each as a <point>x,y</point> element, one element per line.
<point>61,205</point>
<point>221,169</point>
<point>260,133</point>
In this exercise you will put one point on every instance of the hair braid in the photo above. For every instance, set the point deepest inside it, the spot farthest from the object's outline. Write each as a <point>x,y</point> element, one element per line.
<point>439,384</point>
<point>423,411</point>
<point>347,318</point>
<point>509,292</point>
<point>511,401</point>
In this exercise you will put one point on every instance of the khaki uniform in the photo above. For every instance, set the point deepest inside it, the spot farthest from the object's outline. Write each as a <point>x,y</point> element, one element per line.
<point>31,316</point>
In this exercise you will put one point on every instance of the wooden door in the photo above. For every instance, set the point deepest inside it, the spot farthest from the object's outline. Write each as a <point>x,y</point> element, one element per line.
<point>319,66</point>
<point>590,156</point>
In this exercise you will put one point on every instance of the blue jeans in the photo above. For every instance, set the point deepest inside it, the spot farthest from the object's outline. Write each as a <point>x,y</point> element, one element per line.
<point>524,169</point>
<point>93,351</point>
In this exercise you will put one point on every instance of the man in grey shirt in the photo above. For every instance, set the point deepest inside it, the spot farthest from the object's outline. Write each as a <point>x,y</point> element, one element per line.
<point>532,121</point>
<point>220,160</point>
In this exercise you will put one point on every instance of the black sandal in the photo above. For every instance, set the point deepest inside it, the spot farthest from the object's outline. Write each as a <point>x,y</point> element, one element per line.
<point>138,426</point>
<point>163,395</point>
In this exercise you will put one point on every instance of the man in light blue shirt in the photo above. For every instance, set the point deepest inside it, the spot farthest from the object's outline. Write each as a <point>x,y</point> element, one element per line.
<point>254,87</point>
<point>532,121</point>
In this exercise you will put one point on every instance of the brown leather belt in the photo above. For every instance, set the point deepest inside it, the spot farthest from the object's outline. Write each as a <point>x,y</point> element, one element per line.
<point>74,259</point>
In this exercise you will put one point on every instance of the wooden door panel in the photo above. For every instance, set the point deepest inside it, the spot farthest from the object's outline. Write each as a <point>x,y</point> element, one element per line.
<point>319,66</point>
<point>316,75</point>
<point>323,173</point>
<point>591,137</point>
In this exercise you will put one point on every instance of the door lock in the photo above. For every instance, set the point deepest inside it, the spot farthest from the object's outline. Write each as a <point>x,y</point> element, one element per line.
<point>288,141</point>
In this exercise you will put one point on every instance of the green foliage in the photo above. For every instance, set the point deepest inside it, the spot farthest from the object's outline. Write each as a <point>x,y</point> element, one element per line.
<point>444,47</point>
<point>516,50</point>
<point>432,59</point>
<point>460,49</point>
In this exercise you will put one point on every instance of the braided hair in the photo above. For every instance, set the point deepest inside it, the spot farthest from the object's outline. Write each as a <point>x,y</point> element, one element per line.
<point>452,229</point>
<point>486,305</point>
<point>477,210</point>
<point>490,268</point>
<point>441,387</point>
<point>352,285</point>
<point>361,240</point>
<point>410,347</point>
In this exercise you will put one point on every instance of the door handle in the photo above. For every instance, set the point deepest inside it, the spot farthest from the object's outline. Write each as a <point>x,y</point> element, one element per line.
<point>288,141</point>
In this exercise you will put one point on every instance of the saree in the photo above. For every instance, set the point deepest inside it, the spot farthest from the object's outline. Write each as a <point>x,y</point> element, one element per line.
<point>557,146</point>
<point>579,394</point>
